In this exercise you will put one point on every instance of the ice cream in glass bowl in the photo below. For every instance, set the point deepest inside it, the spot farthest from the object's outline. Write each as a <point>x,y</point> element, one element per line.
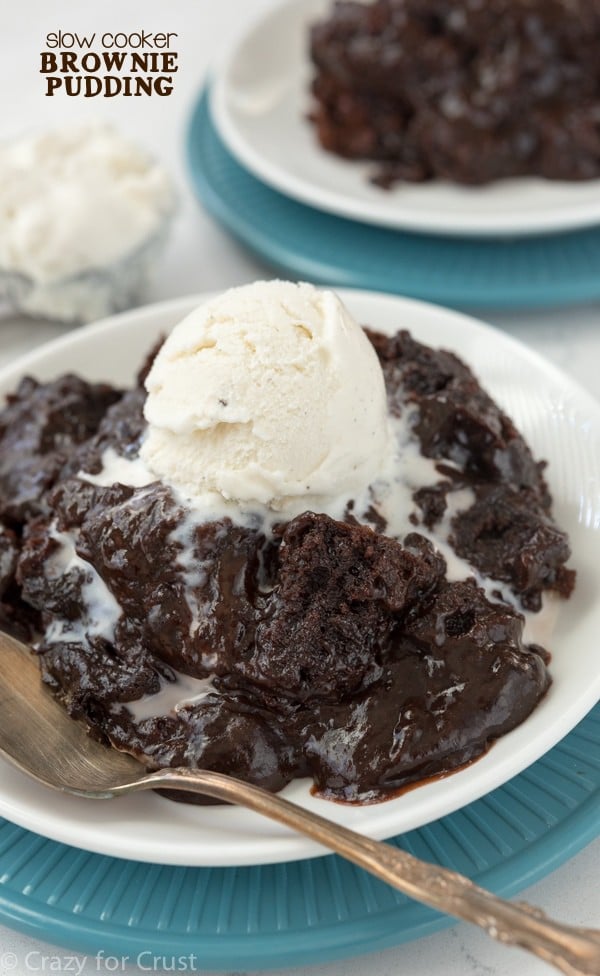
<point>84,215</point>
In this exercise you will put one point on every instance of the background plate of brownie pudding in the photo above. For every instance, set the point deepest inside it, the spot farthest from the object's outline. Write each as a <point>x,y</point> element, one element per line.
<point>458,119</point>
<point>560,422</point>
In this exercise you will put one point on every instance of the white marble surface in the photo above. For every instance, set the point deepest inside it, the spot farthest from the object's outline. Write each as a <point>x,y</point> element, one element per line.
<point>201,257</point>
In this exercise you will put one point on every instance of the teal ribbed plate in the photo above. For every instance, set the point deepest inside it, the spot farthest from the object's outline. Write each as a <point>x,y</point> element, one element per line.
<point>305,911</point>
<point>306,243</point>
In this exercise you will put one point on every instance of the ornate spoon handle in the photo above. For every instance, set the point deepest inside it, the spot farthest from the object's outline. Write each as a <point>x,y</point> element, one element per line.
<point>572,950</point>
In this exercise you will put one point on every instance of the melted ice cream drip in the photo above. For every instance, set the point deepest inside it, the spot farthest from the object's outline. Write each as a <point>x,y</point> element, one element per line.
<point>102,610</point>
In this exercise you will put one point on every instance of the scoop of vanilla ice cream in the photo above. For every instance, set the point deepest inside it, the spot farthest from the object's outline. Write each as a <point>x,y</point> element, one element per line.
<point>267,393</point>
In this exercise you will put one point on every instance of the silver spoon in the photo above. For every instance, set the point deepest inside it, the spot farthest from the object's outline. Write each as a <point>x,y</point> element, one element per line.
<point>39,738</point>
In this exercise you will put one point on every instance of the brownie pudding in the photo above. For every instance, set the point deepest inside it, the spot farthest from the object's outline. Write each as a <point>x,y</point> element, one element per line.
<point>367,646</point>
<point>469,92</point>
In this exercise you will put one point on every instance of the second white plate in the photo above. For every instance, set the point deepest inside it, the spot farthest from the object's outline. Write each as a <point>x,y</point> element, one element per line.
<point>260,100</point>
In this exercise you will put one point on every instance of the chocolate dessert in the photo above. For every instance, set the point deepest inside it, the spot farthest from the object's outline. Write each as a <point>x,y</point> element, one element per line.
<point>469,92</point>
<point>331,648</point>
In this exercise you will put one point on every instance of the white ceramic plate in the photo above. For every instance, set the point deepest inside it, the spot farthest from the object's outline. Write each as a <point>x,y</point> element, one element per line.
<point>260,98</point>
<point>562,424</point>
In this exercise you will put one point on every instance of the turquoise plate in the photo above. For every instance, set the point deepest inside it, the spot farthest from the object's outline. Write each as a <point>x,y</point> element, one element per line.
<point>302,242</point>
<point>306,911</point>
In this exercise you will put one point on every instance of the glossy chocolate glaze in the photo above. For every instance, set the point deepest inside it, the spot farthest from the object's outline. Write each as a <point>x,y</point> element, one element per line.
<point>469,92</point>
<point>334,651</point>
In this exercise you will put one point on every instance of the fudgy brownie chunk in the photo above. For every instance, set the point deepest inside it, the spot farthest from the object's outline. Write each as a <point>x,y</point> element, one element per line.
<point>340,591</point>
<point>469,91</point>
<point>507,533</point>
<point>39,428</point>
<point>455,419</point>
<point>509,537</point>
<point>120,429</point>
<point>440,702</point>
<point>15,616</point>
